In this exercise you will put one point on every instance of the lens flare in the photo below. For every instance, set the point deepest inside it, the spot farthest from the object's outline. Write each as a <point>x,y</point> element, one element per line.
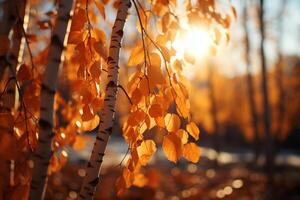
<point>195,41</point>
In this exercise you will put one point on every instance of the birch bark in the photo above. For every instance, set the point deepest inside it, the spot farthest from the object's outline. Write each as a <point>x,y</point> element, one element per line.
<point>43,151</point>
<point>107,113</point>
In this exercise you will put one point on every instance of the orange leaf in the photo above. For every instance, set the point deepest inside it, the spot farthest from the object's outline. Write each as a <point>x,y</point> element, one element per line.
<point>172,122</point>
<point>136,96</point>
<point>182,134</point>
<point>155,110</point>
<point>24,73</point>
<point>4,47</point>
<point>136,56</point>
<point>95,70</point>
<point>79,143</point>
<point>193,130</point>
<point>172,147</point>
<point>75,37</point>
<point>78,20</point>
<point>6,122</point>
<point>90,124</point>
<point>191,152</point>
<point>87,113</point>
<point>140,180</point>
<point>101,8</point>
<point>144,86</point>
<point>145,151</point>
<point>97,104</point>
<point>136,117</point>
<point>155,74</point>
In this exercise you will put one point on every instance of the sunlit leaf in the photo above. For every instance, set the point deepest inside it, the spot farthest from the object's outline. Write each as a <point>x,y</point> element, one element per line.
<point>145,151</point>
<point>191,152</point>
<point>172,122</point>
<point>193,130</point>
<point>172,147</point>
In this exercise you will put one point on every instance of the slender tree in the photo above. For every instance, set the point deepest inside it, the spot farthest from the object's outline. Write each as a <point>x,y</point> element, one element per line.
<point>43,151</point>
<point>214,112</point>
<point>265,94</point>
<point>279,74</point>
<point>107,113</point>
<point>250,88</point>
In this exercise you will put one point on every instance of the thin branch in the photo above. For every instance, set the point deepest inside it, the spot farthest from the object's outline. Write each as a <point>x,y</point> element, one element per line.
<point>120,164</point>
<point>6,85</point>
<point>121,87</point>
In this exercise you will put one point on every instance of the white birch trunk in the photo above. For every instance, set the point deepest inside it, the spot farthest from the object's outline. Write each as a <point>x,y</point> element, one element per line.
<point>107,113</point>
<point>43,151</point>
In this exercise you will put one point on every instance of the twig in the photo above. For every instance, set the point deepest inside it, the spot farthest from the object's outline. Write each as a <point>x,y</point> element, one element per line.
<point>121,87</point>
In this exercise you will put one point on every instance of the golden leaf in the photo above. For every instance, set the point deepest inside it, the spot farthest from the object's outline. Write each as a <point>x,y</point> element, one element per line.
<point>193,130</point>
<point>145,151</point>
<point>172,147</point>
<point>172,122</point>
<point>191,152</point>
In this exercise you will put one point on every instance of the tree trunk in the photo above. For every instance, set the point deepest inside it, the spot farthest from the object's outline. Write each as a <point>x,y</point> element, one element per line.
<point>107,113</point>
<point>43,151</point>
<point>214,113</point>
<point>250,89</point>
<point>279,76</point>
<point>266,109</point>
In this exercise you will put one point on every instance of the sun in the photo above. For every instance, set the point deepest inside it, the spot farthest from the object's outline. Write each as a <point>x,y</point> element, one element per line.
<point>195,41</point>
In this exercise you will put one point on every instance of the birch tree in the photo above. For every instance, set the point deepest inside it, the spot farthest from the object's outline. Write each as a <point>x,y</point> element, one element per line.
<point>107,113</point>
<point>43,150</point>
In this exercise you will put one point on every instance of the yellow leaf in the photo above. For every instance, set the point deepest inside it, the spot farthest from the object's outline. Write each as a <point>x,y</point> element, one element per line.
<point>191,152</point>
<point>172,147</point>
<point>154,71</point>
<point>182,134</point>
<point>145,151</point>
<point>193,130</point>
<point>172,122</point>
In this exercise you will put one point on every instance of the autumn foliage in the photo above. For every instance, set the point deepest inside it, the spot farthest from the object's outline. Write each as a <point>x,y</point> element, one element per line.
<point>154,100</point>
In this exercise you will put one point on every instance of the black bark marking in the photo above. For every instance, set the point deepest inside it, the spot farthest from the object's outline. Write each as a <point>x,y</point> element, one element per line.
<point>94,182</point>
<point>40,156</point>
<point>56,41</point>
<point>99,138</point>
<point>101,154</point>
<point>48,89</point>
<point>89,164</point>
<point>99,161</point>
<point>44,124</point>
<point>111,84</point>
<point>109,130</point>
<point>109,59</point>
